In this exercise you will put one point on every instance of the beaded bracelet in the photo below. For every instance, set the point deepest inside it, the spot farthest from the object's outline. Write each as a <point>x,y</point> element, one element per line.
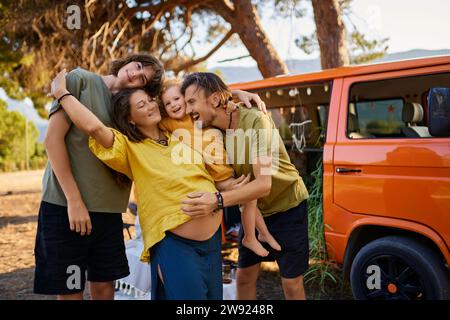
<point>219,201</point>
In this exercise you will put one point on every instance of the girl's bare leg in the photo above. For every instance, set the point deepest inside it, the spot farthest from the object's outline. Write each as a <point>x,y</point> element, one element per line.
<point>264,234</point>
<point>248,223</point>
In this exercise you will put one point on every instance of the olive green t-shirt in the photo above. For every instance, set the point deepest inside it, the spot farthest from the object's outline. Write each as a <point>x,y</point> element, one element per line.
<point>95,180</point>
<point>256,135</point>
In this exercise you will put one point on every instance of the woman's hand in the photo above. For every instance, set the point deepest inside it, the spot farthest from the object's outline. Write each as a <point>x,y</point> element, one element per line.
<point>58,86</point>
<point>199,204</point>
<point>247,97</point>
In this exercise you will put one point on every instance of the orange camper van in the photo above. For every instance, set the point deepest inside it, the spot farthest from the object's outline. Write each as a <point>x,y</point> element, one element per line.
<point>383,133</point>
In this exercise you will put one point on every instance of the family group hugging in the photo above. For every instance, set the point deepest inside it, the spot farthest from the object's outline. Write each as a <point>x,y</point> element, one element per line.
<point>191,147</point>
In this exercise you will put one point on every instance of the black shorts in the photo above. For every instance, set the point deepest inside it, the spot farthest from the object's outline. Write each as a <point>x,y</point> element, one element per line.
<point>290,229</point>
<point>63,256</point>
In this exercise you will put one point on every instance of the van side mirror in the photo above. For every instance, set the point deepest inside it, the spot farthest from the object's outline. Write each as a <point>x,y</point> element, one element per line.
<point>439,112</point>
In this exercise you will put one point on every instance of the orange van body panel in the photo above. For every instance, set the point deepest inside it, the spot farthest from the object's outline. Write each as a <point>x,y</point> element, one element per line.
<point>337,242</point>
<point>404,183</point>
<point>406,178</point>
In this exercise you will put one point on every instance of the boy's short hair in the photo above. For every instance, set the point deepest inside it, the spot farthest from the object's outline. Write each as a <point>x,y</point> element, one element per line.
<point>209,82</point>
<point>153,87</point>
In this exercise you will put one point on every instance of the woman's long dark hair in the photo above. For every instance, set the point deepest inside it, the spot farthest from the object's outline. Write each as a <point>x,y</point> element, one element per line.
<point>120,118</point>
<point>120,115</point>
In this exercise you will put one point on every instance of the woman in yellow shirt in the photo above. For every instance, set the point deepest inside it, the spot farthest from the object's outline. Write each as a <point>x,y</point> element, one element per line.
<point>179,123</point>
<point>185,252</point>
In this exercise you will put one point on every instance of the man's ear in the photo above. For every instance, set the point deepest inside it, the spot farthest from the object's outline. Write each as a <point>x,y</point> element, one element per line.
<point>215,99</point>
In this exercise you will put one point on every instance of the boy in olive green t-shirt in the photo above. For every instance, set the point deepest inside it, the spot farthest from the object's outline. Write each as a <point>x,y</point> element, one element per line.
<point>80,224</point>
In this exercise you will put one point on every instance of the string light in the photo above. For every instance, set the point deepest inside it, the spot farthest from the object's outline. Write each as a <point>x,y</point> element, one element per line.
<point>293,92</point>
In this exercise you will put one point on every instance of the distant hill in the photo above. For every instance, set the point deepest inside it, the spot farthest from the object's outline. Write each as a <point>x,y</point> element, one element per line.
<point>243,74</point>
<point>231,75</point>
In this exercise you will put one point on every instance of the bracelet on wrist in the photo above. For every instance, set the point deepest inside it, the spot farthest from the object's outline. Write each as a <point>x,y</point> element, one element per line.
<point>64,95</point>
<point>219,201</point>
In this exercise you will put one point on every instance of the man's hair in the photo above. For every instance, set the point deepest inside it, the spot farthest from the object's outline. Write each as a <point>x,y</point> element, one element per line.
<point>153,87</point>
<point>209,82</point>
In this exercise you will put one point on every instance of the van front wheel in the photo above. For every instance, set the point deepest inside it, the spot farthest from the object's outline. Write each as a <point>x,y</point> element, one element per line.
<point>398,268</point>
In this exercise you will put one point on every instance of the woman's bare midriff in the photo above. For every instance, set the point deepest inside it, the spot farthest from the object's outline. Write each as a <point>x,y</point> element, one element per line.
<point>199,229</point>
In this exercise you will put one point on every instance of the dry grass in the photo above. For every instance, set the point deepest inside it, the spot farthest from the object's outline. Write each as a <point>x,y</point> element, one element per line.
<point>18,223</point>
<point>23,181</point>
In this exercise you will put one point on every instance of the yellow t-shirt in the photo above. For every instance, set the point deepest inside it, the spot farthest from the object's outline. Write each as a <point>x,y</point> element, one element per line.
<point>256,135</point>
<point>160,182</point>
<point>209,144</point>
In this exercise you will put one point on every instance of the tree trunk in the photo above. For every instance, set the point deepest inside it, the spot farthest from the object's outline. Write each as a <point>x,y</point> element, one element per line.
<point>330,33</point>
<point>244,20</point>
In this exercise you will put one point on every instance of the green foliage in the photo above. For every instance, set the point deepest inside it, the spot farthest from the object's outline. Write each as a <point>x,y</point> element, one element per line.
<point>9,60</point>
<point>308,44</point>
<point>322,272</point>
<point>363,50</point>
<point>15,151</point>
<point>289,8</point>
<point>12,60</point>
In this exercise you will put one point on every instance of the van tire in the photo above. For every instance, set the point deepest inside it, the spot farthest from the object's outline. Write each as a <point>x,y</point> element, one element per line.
<point>426,275</point>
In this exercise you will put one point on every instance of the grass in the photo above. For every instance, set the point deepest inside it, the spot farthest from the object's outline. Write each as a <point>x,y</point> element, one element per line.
<point>322,273</point>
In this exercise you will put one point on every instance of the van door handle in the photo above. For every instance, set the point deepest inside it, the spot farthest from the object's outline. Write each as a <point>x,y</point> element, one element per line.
<point>346,170</point>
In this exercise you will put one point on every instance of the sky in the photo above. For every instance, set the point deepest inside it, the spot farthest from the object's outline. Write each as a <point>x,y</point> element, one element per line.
<point>409,24</point>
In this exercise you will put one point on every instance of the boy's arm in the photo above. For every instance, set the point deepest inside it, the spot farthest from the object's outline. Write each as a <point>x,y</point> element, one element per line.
<point>224,185</point>
<point>258,188</point>
<point>59,159</point>
<point>81,116</point>
<point>233,183</point>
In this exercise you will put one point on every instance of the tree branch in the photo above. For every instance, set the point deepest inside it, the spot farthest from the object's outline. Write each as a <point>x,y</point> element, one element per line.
<point>205,57</point>
<point>222,8</point>
<point>236,58</point>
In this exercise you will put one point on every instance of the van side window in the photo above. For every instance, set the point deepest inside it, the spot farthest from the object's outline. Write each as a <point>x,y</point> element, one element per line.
<point>404,107</point>
<point>379,118</point>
